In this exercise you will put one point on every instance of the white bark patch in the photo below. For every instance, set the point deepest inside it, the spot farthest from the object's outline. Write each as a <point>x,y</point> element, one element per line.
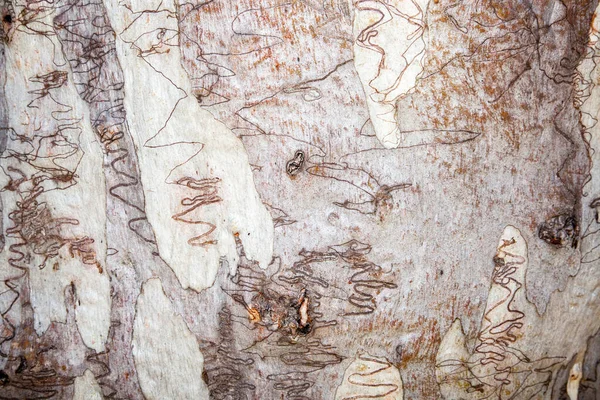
<point>197,182</point>
<point>46,109</point>
<point>388,51</point>
<point>92,298</point>
<point>503,363</point>
<point>451,356</point>
<point>506,297</point>
<point>453,344</point>
<point>168,361</point>
<point>370,377</point>
<point>86,387</point>
<point>574,379</point>
<point>589,87</point>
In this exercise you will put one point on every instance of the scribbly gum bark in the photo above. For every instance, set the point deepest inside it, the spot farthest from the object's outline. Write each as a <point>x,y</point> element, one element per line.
<point>345,199</point>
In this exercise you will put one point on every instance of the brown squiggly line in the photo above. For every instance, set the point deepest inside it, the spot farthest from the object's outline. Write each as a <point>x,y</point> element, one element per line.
<point>303,355</point>
<point>385,366</point>
<point>495,340</point>
<point>208,195</point>
<point>584,89</point>
<point>36,232</point>
<point>386,13</point>
<point>90,50</point>
<point>226,370</point>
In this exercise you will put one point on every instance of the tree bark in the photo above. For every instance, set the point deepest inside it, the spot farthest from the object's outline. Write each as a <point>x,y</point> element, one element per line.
<point>300,199</point>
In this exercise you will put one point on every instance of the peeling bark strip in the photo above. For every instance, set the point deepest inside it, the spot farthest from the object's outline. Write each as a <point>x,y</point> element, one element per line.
<point>297,200</point>
<point>88,41</point>
<point>166,342</point>
<point>499,366</point>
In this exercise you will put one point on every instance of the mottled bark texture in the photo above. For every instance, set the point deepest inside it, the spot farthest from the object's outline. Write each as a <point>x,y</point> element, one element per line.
<point>390,199</point>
